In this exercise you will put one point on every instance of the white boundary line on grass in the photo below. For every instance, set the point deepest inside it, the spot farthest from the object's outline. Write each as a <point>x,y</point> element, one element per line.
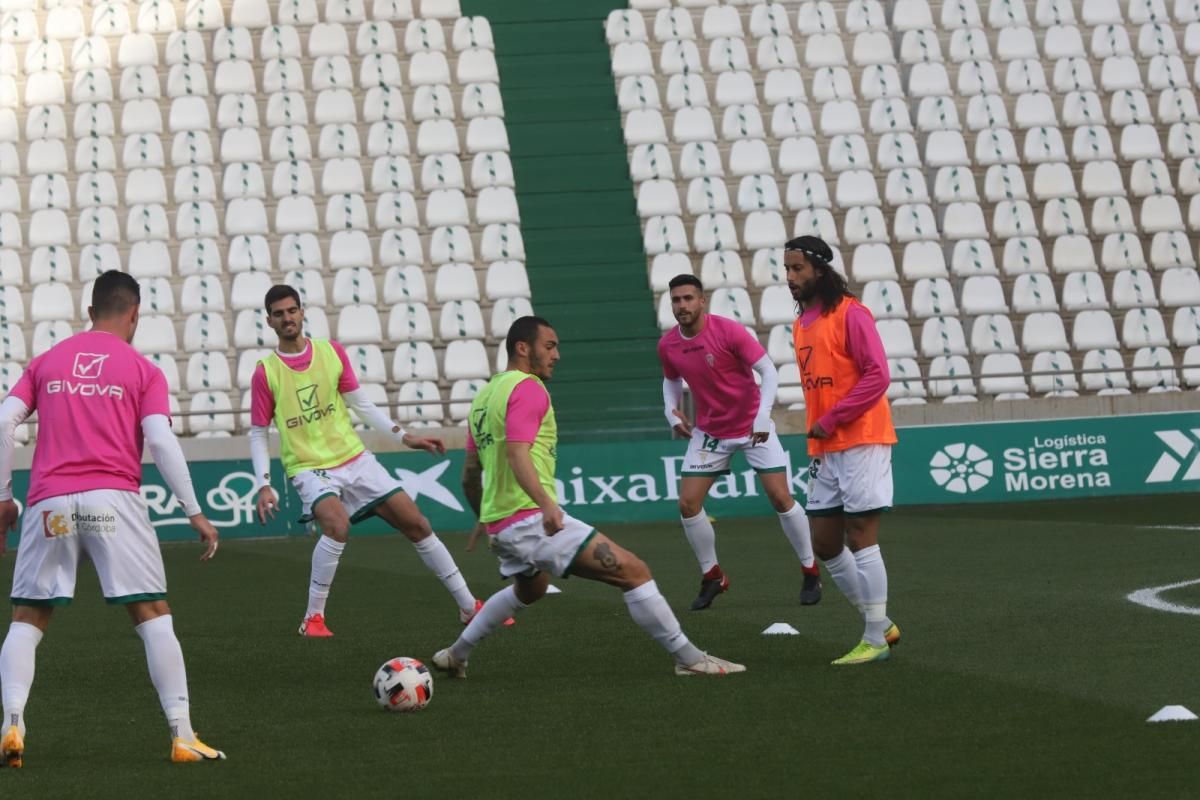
<point>1150,598</point>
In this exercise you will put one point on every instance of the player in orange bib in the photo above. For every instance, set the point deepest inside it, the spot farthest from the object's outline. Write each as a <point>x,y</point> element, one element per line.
<point>850,436</point>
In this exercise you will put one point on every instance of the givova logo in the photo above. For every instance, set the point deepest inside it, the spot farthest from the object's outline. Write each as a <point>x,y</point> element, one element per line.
<point>961,468</point>
<point>1183,453</point>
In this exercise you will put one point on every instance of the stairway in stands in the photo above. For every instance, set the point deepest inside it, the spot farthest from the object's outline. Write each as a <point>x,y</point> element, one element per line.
<point>583,241</point>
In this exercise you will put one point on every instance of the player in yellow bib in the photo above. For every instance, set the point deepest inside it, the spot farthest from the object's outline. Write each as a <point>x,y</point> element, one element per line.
<point>304,388</point>
<point>508,478</point>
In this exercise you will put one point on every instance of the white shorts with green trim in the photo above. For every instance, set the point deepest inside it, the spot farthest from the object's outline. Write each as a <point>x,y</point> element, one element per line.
<point>109,526</point>
<point>855,481</point>
<point>707,455</point>
<point>361,485</point>
<point>524,548</point>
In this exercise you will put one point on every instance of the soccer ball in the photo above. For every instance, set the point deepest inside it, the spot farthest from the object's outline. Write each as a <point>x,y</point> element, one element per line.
<point>403,684</point>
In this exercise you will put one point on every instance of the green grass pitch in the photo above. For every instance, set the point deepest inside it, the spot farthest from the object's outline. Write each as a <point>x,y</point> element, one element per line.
<point>1024,672</point>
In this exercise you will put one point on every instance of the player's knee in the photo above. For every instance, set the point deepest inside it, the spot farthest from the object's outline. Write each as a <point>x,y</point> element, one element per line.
<point>416,529</point>
<point>782,502</point>
<point>530,591</point>
<point>826,550</point>
<point>338,531</point>
<point>636,573</point>
<point>689,508</point>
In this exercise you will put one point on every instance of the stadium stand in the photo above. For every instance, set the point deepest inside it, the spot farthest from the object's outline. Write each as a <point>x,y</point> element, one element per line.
<point>1012,184</point>
<point>214,148</point>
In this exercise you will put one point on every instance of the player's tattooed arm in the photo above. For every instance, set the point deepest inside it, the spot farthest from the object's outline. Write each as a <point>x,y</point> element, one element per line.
<point>607,558</point>
<point>472,482</point>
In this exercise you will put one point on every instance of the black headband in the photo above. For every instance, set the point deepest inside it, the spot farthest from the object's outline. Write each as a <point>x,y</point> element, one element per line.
<point>808,253</point>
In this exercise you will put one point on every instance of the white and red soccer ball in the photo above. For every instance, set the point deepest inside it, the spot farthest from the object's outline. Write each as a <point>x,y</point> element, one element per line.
<point>403,684</point>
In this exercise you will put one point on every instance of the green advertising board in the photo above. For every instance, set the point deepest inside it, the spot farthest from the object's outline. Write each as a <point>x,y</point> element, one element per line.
<point>639,480</point>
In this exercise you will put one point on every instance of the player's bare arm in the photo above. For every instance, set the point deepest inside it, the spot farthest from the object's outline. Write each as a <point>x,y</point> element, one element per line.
<point>472,486</point>
<point>267,505</point>
<point>521,463</point>
<point>13,412</point>
<point>208,535</point>
<point>472,482</point>
<point>430,444</point>
<point>9,514</point>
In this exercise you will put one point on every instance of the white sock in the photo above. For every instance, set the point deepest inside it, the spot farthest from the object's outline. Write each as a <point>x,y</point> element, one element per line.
<point>703,539</point>
<point>439,561</point>
<point>872,577</point>
<point>167,673</point>
<point>325,559</point>
<point>844,571</point>
<point>16,671</point>
<point>499,607</point>
<point>795,527</point>
<point>651,612</point>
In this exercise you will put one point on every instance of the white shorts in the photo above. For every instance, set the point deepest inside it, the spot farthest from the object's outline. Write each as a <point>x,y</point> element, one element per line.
<point>109,526</point>
<point>361,485</point>
<point>854,481</point>
<point>524,548</point>
<point>709,456</point>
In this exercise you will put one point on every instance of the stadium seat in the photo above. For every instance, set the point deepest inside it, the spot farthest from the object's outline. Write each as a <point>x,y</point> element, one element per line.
<point>885,300</point>
<point>466,359</point>
<point>309,285</point>
<point>1094,330</point>
<point>208,371</point>
<point>1043,330</point>
<point>1001,374</point>
<point>409,321</point>
<point>170,369</point>
<point>211,415</point>
<point>950,377</point>
<point>1191,367</point>
<point>1154,369</point>
<point>992,333</point>
<point>1133,289</point>
<point>982,294</point>
<point>906,385</point>
<point>933,297</point>
<point>414,361</point>
<point>1143,327</point>
<point>1061,382</point>
<point>154,334</point>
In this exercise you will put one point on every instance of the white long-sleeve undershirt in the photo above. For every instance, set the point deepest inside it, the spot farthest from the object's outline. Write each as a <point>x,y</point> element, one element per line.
<point>672,397</point>
<point>13,412</point>
<point>260,456</point>
<point>372,415</point>
<point>766,392</point>
<point>168,457</point>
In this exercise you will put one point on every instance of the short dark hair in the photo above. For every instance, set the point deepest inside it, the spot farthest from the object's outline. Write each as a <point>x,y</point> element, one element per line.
<point>686,280</point>
<point>523,329</point>
<point>113,293</point>
<point>280,291</point>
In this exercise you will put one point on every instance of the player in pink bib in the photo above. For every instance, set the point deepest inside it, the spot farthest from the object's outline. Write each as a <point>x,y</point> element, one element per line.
<point>98,401</point>
<point>718,359</point>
